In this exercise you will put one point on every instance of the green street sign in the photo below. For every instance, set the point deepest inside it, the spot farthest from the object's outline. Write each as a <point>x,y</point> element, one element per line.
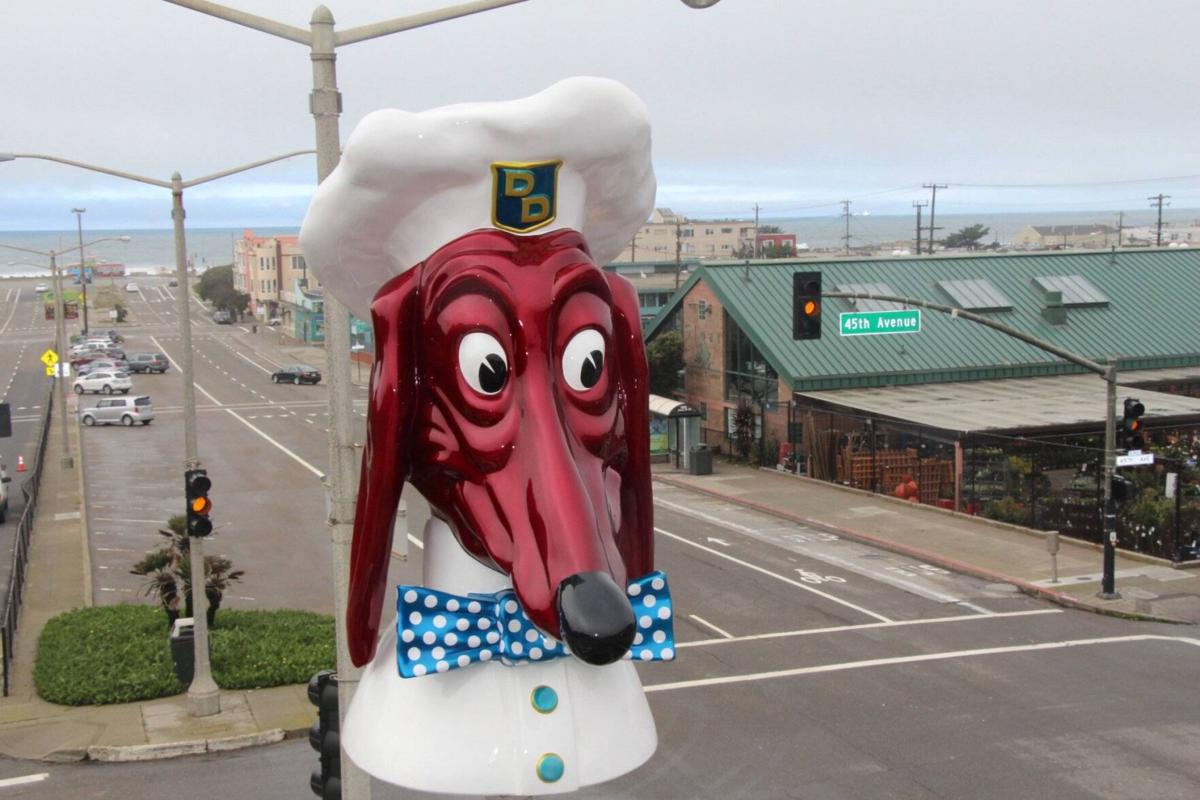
<point>870,323</point>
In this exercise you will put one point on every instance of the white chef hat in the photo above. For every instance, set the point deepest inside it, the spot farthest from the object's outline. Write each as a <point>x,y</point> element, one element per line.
<point>576,155</point>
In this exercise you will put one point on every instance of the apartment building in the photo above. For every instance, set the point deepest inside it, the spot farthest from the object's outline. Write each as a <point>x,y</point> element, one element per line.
<point>666,233</point>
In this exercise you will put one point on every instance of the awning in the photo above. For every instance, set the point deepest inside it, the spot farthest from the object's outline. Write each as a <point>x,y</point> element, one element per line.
<point>1026,405</point>
<point>666,407</point>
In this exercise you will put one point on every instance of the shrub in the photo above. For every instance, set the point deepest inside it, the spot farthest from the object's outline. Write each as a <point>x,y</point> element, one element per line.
<point>119,654</point>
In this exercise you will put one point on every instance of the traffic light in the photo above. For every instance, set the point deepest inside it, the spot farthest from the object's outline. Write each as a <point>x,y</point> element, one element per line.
<point>1130,436</point>
<point>197,486</point>
<point>326,780</point>
<point>806,305</point>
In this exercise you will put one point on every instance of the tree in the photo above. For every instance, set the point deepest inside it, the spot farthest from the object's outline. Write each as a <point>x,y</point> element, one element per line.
<point>216,286</point>
<point>664,359</point>
<point>968,237</point>
<point>168,572</point>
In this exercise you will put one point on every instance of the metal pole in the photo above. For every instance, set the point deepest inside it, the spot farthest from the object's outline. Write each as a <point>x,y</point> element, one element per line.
<point>204,699</point>
<point>1107,588</point>
<point>78,212</point>
<point>60,338</point>
<point>326,106</point>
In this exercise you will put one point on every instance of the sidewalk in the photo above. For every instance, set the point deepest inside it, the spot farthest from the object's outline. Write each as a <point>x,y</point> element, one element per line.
<point>997,552</point>
<point>59,568</point>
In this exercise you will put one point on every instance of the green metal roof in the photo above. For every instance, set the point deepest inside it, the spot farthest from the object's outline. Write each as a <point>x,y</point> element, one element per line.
<point>1152,320</point>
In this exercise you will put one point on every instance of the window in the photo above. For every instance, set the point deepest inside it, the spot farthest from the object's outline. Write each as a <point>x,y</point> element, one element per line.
<point>976,294</point>
<point>703,410</point>
<point>748,376</point>
<point>1077,291</point>
<point>726,230</point>
<point>708,231</point>
<point>687,233</point>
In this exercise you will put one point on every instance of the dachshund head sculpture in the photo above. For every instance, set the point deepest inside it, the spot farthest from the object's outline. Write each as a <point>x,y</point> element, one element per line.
<point>509,384</point>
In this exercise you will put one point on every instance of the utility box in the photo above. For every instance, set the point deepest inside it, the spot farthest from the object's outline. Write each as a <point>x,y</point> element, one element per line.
<point>183,650</point>
<point>700,460</point>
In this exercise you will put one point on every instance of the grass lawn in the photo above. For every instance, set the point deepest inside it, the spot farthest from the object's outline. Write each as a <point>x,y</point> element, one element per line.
<point>118,654</point>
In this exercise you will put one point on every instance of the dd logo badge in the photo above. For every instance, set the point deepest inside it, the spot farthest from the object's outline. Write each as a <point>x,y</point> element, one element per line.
<point>523,196</point>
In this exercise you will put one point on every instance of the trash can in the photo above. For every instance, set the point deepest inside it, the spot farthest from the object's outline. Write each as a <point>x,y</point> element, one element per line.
<point>183,650</point>
<point>700,460</point>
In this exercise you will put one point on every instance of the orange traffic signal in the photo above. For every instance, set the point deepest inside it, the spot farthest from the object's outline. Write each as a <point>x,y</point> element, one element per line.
<point>806,305</point>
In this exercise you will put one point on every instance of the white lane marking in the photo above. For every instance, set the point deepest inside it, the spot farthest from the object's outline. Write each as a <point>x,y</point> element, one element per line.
<point>945,656</point>
<point>240,419</point>
<point>710,626</point>
<point>11,313</point>
<point>168,291</point>
<point>123,519</point>
<point>900,583</point>
<point>869,625</point>
<point>24,779</point>
<point>775,575</point>
<point>283,449</point>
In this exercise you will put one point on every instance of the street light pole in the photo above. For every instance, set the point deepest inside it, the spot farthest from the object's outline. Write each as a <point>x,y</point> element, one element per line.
<point>78,212</point>
<point>64,363</point>
<point>204,698</point>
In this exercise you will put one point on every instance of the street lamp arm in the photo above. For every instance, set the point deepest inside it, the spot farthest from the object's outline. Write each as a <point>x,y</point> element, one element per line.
<point>254,21</point>
<point>50,253</point>
<point>117,173</point>
<point>1100,369</point>
<point>377,29</point>
<point>226,172</point>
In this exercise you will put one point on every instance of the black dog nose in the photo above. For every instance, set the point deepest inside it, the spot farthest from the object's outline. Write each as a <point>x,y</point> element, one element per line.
<point>595,617</point>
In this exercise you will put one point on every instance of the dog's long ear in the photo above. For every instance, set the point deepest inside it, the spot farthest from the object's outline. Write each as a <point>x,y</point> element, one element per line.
<point>386,458</point>
<point>636,537</point>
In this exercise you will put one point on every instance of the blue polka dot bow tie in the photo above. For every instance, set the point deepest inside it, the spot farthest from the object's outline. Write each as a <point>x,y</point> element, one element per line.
<point>438,631</point>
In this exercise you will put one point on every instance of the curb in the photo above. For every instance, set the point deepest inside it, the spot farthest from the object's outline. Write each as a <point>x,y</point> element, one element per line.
<point>154,752</point>
<point>936,559</point>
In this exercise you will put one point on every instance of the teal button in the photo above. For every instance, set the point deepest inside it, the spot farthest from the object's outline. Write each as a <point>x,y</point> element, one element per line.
<point>544,699</point>
<point>550,767</point>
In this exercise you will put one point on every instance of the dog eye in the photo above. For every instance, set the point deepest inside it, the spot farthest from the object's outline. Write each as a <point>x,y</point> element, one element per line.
<point>483,363</point>
<point>583,360</point>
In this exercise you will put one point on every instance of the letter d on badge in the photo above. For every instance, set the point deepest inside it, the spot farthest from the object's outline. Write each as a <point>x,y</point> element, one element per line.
<point>524,195</point>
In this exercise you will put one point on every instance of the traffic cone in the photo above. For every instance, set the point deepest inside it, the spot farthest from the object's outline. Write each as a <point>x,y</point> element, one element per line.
<point>20,463</point>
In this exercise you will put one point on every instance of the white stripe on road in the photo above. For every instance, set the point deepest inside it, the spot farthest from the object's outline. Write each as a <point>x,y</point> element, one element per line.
<point>24,779</point>
<point>236,416</point>
<point>883,662</point>
<point>711,627</point>
<point>775,575</point>
<point>252,363</point>
<point>868,626</point>
<point>11,313</point>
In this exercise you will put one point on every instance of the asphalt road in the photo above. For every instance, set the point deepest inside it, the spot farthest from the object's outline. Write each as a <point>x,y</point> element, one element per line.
<point>25,334</point>
<point>809,666</point>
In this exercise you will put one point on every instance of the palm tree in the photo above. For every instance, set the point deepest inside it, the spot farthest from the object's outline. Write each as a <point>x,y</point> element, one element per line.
<point>169,574</point>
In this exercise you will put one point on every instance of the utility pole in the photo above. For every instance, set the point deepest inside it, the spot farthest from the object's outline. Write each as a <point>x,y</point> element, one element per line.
<point>678,248</point>
<point>757,251</point>
<point>633,249</point>
<point>933,210</point>
<point>78,212</point>
<point>1120,226</point>
<point>918,205</point>
<point>846,215</point>
<point>1157,200</point>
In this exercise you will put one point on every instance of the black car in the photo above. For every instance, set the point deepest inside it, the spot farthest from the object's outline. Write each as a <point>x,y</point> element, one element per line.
<point>222,317</point>
<point>296,373</point>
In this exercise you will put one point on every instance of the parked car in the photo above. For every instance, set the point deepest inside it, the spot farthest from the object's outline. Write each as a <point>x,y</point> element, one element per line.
<point>104,382</point>
<point>4,482</point>
<point>125,410</point>
<point>222,317</point>
<point>148,362</point>
<point>172,282</point>
<point>296,373</point>
<point>41,287</point>
<point>131,287</point>
<point>115,353</point>
<point>78,360</point>
<point>114,337</point>
<point>275,322</point>
<point>107,364</point>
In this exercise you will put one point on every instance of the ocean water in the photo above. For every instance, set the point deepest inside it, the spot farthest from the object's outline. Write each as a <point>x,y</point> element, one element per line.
<point>147,252</point>
<point>151,251</point>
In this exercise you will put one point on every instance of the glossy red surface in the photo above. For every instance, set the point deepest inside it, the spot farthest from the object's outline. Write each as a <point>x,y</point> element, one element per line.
<point>538,479</point>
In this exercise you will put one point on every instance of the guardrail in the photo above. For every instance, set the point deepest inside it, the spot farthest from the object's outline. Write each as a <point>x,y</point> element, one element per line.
<point>16,583</point>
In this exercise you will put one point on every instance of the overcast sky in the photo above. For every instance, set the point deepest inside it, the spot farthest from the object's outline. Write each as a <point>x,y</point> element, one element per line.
<point>791,104</point>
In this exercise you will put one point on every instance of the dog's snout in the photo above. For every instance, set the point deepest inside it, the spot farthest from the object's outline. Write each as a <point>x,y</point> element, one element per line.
<point>595,617</point>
